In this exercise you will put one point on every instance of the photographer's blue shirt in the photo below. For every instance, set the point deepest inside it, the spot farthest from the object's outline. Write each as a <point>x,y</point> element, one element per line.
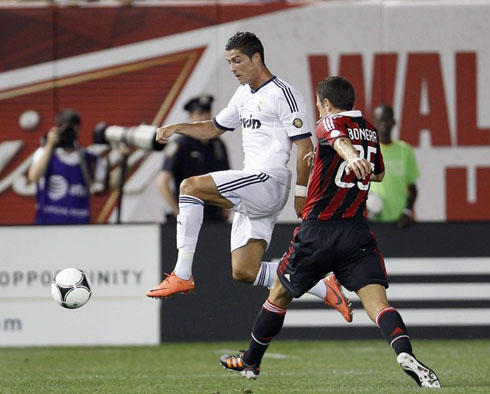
<point>62,196</point>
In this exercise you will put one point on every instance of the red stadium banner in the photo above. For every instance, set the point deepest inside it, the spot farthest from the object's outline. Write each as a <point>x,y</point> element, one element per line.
<point>128,65</point>
<point>129,94</point>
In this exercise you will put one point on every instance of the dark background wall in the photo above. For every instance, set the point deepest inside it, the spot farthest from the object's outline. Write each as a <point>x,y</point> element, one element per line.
<point>223,309</point>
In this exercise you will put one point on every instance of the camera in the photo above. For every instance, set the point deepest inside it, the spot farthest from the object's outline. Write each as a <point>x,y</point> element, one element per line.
<point>142,136</point>
<point>68,135</point>
<point>68,122</point>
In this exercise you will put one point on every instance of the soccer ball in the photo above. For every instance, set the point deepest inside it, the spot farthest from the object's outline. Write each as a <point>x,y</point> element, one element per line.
<point>70,288</point>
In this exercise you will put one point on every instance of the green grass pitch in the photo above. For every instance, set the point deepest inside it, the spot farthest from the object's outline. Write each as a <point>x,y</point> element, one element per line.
<point>289,367</point>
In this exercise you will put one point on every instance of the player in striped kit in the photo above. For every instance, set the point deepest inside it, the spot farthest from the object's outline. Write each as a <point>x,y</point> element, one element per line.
<point>334,235</point>
<point>273,116</point>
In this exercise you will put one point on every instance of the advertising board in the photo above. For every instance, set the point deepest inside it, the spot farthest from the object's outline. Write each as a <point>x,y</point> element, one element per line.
<point>121,262</point>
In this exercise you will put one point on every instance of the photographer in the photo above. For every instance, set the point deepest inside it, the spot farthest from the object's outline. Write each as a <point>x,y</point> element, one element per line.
<point>65,174</point>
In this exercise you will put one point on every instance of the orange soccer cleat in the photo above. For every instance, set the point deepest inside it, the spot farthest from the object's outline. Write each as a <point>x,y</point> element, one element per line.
<point>171,284</point>
<point>336,299</point>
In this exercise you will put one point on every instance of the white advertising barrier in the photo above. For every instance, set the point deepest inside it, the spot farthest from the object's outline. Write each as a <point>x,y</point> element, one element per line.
<point>121,262</point>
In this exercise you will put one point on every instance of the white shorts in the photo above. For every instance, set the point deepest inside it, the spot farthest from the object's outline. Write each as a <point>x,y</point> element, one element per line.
<point>257,199</point>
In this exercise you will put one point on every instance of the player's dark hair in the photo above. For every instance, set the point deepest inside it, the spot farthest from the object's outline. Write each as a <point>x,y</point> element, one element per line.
<point>247,43</point>
<point>338,91</point>
<point>386,109</point>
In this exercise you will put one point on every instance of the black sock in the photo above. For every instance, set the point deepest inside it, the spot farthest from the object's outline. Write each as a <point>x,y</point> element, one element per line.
<point>394,331</point>
<point>267,324</point>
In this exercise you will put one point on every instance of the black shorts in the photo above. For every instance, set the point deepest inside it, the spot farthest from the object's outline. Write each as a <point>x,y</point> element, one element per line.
<point>346,247</point>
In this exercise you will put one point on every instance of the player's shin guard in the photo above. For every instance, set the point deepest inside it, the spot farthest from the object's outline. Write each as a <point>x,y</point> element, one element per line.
<point>268,323</point>
<point>394,331</point>
<point>189,222</point>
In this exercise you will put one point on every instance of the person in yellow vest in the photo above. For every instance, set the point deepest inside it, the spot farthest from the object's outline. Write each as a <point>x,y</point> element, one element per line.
<point>393,199</point>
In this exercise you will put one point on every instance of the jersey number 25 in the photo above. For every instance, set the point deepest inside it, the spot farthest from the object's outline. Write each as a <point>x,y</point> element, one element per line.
<point>370,154</point>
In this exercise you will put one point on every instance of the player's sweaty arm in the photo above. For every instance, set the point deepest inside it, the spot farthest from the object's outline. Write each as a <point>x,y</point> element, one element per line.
<point>204,130</point>
<point>303,166</point>
<point>360,166</point>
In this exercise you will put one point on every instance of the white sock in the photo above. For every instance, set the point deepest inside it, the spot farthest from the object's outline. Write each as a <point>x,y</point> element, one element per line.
<point>183,266</point>
<point>267,275</point>
<point>189,221</point>
<point>319,290</point>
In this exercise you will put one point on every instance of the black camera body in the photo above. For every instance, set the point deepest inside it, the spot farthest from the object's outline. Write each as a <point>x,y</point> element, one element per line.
<point>68,122</point>
<point>68,136</point>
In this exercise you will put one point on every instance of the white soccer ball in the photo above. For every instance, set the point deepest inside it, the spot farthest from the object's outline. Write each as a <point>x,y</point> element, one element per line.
<point>70,288</point>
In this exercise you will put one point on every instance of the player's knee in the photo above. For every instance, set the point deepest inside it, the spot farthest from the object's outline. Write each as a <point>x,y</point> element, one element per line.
<point>189,187</point>
<point>241,274</point>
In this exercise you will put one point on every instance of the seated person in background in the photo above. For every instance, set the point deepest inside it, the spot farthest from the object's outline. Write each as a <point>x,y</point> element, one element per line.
<point>187,156</point>
<point>393,199</point>
<point>65,174</point>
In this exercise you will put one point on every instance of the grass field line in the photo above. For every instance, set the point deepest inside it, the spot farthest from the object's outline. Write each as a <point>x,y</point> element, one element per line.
<point>277,356</point>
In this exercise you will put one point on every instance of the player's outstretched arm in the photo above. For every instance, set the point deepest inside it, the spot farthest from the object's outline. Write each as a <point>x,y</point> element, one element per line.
<point>360,166</point>
<point>204,130</point>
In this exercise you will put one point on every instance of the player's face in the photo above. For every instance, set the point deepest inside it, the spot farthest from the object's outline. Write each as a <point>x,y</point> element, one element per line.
<point>322,106</point>
<point>241,66</point>
<point>383,122</point>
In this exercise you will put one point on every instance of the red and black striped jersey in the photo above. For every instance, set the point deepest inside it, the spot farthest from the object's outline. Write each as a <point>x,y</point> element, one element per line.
<point>331,193</point>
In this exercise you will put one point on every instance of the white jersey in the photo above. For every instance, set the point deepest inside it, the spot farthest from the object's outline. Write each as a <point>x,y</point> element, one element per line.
<point>272,117</point>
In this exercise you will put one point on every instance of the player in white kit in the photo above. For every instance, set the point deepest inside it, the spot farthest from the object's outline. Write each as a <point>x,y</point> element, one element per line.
<point>273,116</point>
